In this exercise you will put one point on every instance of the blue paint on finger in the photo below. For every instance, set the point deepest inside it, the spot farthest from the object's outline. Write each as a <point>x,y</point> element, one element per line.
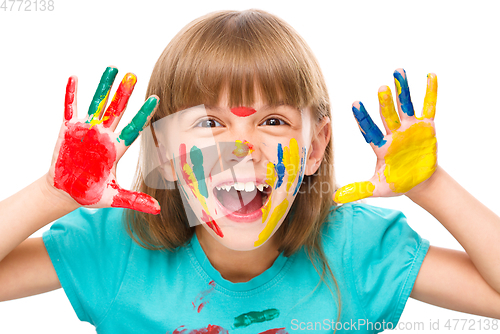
<point>369,130</point>
<point>403,91</point>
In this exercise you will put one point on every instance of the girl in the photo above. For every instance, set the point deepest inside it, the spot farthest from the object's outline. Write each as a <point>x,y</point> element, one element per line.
<point>255,243</point>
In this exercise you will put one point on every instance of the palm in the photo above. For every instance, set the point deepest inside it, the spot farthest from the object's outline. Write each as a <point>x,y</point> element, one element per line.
<point>86,154</point>
<point>406,155</point>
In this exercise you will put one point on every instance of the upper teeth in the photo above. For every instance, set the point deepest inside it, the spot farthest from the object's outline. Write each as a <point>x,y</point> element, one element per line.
<point>246,186</point>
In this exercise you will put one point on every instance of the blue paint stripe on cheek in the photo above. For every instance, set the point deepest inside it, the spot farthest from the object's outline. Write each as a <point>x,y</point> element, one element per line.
<point>302,170</point>
<point>370,130</point>
<point>404,97</point>
<point>280,166</point>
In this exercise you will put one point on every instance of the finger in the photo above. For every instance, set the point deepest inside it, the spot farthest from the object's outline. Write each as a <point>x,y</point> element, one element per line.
<point>135,201</point>
<point>132,130</point>
<point>429,110</point>
<point>101,95</point>
<point>70,98</point>
<point>405,106</point>
<point>353,192</point>
<point>119,102</point>
<point>370,130</point>
<point>387,110</point>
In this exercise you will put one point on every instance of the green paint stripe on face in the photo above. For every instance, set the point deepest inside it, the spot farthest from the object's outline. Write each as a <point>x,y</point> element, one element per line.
<point>132,130</point>
<point>107,79</point>
<point>197,159</point>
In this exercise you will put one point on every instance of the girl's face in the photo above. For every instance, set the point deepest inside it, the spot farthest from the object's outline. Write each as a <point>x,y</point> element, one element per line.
<point>239,169</point>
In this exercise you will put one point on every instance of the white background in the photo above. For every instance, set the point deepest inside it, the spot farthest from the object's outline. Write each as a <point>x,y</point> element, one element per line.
<point>358,44</point>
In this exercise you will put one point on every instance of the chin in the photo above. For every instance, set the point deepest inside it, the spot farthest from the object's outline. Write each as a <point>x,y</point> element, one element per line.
<point>238,239</point>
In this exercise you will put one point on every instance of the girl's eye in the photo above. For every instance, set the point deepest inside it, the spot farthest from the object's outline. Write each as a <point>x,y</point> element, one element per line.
<point>208,123</point>
<point>274,121</point>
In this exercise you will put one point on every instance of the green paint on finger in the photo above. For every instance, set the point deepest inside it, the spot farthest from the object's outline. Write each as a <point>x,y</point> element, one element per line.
<point>101,93</point>
<point>246,319</point>
<point>132,130</point>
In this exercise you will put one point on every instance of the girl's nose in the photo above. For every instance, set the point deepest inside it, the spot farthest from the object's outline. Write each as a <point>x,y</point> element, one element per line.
<point>237,151</point>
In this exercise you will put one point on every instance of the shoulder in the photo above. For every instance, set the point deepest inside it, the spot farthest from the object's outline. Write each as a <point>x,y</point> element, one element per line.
<point>362,215</point>
<point>91,225</point>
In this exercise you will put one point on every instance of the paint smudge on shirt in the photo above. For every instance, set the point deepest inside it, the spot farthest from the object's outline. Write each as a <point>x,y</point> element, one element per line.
<point>210,329</point>
<point>203,297</point>
<point>246,319</point>
<point>275,331</point>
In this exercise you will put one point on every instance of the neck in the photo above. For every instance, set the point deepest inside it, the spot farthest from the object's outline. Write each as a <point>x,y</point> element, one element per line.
<point>237,266</point>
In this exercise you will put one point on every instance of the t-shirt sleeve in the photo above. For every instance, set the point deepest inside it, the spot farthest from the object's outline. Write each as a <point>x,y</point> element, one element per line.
<point>386,255</point>
<point>89,249</point>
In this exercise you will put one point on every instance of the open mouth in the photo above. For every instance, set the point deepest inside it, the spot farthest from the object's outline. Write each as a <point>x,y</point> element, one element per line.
<point>242,198</point>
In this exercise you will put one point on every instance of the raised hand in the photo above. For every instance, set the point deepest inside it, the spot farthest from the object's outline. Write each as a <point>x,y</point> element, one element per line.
<point>407,154</point>
<point>87,151</point>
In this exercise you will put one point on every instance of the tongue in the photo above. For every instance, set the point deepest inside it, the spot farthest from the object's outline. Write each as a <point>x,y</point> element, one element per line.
<point>241,202</point>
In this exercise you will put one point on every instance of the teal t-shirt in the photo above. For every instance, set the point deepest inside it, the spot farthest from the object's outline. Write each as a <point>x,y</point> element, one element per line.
<point>120,287</point>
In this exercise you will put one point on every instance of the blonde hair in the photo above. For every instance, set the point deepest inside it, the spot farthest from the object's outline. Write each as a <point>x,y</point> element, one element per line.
<point>244,54</point>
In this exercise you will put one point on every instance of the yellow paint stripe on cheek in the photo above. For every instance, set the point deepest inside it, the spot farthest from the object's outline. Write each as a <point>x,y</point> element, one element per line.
<point>277,214</point>
<point>354,191</point>
<point>194,187</point>
<point>292,166</point>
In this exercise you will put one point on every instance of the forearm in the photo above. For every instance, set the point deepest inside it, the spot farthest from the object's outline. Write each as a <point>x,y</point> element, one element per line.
<point>475,226</point>
<point>27,211</point>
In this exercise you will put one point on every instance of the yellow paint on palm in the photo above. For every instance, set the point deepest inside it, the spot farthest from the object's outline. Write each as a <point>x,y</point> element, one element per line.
<point>354,191</point>
<point>411,158</point>
<point>95,118</point>
<point>429,110</point>
<point>291,159</point>
<point>277,214</point>
<point>387,109</point>
<point>194,186</point>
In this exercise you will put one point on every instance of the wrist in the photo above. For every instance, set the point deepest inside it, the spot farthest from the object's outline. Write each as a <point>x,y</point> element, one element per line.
<point>56,197</point>
<point>426,188</point>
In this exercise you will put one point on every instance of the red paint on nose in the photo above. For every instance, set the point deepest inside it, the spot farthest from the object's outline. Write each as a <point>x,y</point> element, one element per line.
<point>243,111</point>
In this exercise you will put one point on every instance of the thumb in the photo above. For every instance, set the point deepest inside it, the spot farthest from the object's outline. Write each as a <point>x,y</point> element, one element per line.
<point>135,201</point>
<point>353,192</point>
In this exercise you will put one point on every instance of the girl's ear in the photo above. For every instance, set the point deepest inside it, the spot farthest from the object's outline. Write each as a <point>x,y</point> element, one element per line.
<point>320,140</point>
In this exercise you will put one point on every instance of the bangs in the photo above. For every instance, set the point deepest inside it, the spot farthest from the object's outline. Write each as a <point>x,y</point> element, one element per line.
<point>244,54</point>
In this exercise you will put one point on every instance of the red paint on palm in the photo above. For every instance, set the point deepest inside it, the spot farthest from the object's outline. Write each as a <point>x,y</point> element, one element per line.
<point>69,98</point>
<point>84,163</point>
<point>133,200</point>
